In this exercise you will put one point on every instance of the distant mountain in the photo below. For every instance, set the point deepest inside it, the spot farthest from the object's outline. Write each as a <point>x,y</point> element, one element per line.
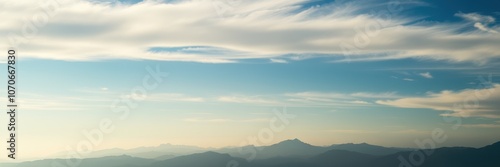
<point>288,148</point>
<point>298,149</point>
<point>206,159</point>
<point>295,153</point>
<point>112,161</point>
<point>341,158</point>
<point>487,156</point>
<point>164,157</point>
<point>149,152</point>
<point>368,149</point>
<point>451,156</point>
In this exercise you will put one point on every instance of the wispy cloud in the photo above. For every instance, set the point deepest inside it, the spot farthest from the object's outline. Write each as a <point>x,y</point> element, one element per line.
<point>481,125</point>
<point>385,95</point>
<point>426,75</point>
<point>257,29</point>
<point>258,100</point>
<point>165,97</point>
<point>465,103</point>
<point>311,99</point>
<point>337,99</point>
<point>480,21</point>
<point>319,96</point>
<point>279,61</point>
<point>358,131</point>
<point>224,120</point>
<point>359,102</point>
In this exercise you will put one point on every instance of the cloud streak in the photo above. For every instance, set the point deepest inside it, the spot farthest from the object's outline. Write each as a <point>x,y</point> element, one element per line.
<point>257,29</point>
<point>426,75</point>
<point>480,21</point>
<point>224,120</point>
<point>481,102</point>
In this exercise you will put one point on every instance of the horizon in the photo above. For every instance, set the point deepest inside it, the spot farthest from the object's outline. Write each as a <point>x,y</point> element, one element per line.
<point>215,150</point>
<point>89,75</point>
<point>312,144</point>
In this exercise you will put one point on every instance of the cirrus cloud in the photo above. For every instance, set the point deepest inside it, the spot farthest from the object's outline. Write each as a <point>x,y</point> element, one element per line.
<point>80,30</point>
<point>481,102</point>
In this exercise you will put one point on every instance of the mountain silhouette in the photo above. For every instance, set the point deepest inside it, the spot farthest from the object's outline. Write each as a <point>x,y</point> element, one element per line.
<point>450,156</point>
<point>341,158</point>
<point>290,148</point>
<point>368,149</point>
<point>112,161</point>
<point>299,149</point>
<point>206,159</point>
<point>148,152</point>
<point>295,153</point>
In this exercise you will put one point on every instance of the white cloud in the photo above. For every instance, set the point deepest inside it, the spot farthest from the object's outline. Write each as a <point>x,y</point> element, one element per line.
<point>484,28</point>
<point>475,17</point>
<point>408,79</point>
<point>224,120</point>
<point>336,99</point>
<point>319,96</point>
<point>259,29</point>
<point>356,131</point>
<point>480,21</point>
<point>248,99</point>
<point>481,102</point>
<point>164,97</point>
<point>311,99</point>
<point>426,75</point>
<point>278,61</point>
<point>385,95</point>
<point>359,102</point>
<point>481,126</point>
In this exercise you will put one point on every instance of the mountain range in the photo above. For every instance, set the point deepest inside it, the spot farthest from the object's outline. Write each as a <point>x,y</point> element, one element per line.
<point>290,153</point>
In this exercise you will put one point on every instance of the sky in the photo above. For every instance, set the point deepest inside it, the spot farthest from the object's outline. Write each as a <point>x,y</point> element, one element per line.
<point>376,71</point>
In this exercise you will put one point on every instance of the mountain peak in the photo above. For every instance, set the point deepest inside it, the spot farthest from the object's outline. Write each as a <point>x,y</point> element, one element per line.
<point>292,142</point>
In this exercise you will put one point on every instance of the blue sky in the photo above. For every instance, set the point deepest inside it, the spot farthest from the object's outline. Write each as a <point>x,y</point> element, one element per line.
<point>229,69</point>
